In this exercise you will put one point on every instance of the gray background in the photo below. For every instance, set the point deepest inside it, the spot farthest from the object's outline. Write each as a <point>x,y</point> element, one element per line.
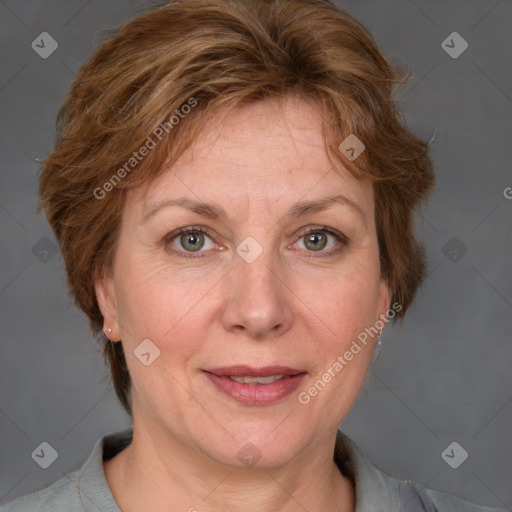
<point>443,376</point>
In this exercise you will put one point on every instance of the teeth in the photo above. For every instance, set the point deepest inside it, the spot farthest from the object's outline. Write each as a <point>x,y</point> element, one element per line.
<point>256,380</point>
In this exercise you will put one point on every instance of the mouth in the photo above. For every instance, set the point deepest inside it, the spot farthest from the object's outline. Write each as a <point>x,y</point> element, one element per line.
<point>256,386</point>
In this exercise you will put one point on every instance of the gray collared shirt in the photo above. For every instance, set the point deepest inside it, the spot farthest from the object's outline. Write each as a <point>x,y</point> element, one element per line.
<point>87,490</point>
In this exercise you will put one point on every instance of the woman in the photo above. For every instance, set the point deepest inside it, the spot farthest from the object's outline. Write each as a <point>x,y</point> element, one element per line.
<point>233,193</point>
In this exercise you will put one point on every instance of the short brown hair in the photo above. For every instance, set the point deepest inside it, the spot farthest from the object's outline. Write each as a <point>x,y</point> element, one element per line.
<point>221,54</point>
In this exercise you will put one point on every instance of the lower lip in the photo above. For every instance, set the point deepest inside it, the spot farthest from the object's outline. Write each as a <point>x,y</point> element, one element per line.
<point>257,394</point>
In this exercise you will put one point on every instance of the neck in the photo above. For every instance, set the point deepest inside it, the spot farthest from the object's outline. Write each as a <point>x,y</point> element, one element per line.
<point>161,473</point>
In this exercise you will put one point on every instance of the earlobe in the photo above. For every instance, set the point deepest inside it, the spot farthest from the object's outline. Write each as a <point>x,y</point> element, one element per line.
<point>104,289</point>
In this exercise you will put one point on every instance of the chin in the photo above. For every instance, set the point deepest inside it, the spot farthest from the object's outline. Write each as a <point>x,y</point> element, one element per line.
<point>254,447</point>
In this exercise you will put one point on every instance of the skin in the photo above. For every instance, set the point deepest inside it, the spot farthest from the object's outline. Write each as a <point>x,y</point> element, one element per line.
<point>293,306</point>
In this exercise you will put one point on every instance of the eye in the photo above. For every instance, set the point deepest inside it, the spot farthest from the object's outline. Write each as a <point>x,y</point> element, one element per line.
<point>189,240</point>
<point>322,240</point>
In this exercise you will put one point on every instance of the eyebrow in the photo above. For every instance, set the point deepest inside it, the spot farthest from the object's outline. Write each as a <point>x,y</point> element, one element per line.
<point>216,212</point>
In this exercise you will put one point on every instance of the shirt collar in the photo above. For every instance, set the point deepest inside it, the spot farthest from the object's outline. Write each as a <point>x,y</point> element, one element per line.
<point>375,490</point>
<point>93,486</point>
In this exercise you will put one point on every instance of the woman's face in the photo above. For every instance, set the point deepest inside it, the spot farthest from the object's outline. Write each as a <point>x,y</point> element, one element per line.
<point>247,289</point>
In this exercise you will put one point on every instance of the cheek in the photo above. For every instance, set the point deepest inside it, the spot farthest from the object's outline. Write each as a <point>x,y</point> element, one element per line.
<point>162,311</point>
<point>348,301</point>
<point>347,309</point>
<point>161,305</point>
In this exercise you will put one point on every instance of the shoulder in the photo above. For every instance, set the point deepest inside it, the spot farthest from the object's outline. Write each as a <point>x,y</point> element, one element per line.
<point>376,490</point>
<point>84,490</point>
<point>414,499</point>
<point>62,496</point>
<point>449,503</point>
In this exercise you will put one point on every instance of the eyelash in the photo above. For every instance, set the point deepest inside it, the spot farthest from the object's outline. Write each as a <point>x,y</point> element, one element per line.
<point>340,237</point>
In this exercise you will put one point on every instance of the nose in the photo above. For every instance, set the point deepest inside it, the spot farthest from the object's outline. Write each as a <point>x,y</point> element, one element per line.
<point>257,301</point>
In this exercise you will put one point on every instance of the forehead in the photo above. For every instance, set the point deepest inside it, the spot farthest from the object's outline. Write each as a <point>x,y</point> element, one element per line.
<point>263,155</point>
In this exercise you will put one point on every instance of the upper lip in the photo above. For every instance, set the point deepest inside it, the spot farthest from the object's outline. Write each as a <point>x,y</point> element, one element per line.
<point>251,371</point>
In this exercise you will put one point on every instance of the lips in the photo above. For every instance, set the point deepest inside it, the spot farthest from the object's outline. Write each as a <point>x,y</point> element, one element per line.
<point>256,386</point>
<point>249,371</point>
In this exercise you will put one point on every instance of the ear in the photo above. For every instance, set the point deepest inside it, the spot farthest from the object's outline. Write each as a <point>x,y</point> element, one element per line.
<point>106,297</point>
<point>384,301</point>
